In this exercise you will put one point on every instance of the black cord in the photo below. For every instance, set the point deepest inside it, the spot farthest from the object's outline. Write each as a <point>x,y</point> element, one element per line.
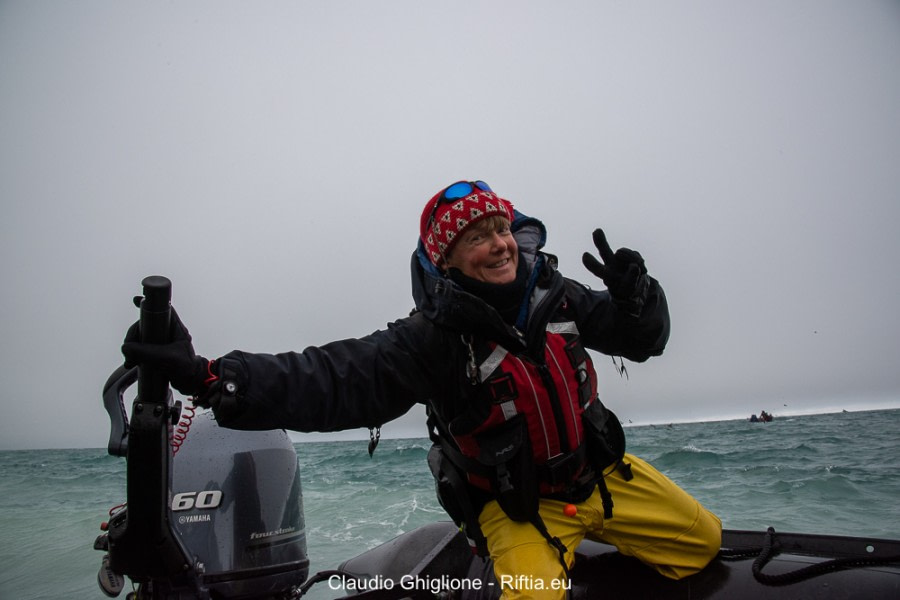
<point>320,576</point>
<point>770,549</point>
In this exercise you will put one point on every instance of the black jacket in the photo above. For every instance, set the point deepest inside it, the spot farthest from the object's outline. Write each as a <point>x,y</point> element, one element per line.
<point>368,381</point>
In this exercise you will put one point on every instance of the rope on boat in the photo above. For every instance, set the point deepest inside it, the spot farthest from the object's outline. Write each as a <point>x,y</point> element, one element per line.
<point>771,548</point>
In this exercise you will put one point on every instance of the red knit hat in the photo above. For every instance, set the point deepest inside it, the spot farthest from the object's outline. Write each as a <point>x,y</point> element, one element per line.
<point>444,220</point>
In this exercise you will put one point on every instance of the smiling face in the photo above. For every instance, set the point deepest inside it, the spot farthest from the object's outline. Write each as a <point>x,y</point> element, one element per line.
<point>486,251</point>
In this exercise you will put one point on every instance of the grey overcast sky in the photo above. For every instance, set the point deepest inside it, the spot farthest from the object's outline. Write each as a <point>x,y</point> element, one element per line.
<point>272,159</point>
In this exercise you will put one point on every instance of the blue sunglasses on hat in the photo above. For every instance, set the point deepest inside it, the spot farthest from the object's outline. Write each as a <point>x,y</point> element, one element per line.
<point>458,190</point>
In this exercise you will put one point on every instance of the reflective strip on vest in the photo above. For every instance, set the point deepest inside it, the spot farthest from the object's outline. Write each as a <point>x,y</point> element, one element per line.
<point>564,327</point>
<point>509,409</point>
<point>491,363</point>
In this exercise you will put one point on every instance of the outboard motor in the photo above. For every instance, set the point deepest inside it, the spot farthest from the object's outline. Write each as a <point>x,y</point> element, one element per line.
<point>222,519</point>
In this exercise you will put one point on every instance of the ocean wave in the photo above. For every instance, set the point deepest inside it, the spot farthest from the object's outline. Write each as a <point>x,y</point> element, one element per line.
<point>688,456</point>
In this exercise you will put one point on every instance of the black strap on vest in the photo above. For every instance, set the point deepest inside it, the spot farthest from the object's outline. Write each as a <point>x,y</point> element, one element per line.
<point>467,508</point>
<point>605,496</point>
<point>554,542</point>
<point>472,528</point>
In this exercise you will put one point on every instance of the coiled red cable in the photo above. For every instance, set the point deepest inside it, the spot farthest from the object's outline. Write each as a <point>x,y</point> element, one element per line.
<point>182,428</point>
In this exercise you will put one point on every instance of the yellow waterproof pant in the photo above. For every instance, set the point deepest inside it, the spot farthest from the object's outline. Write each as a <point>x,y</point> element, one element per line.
<point>654,520</point>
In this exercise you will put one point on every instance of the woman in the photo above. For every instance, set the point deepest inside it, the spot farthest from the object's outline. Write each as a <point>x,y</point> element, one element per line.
<point>527,460</point>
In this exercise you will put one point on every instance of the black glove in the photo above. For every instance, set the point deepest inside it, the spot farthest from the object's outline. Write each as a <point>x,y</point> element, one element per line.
<point>623,273</point>
<point>186,371</point>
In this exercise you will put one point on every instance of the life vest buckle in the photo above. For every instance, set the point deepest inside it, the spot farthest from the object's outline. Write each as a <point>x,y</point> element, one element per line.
<point>563,468</point>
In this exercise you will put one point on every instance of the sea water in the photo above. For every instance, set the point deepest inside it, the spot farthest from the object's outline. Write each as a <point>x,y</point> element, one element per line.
<point>833,473</point>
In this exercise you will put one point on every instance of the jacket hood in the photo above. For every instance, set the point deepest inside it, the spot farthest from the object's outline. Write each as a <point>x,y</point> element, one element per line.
<point>446,303</point>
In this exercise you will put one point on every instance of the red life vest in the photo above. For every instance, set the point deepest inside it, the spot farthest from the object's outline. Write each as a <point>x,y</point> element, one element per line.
<point>551,395</point>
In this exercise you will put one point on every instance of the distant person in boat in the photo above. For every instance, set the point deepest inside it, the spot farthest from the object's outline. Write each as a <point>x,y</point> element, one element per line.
<point>526,459</point>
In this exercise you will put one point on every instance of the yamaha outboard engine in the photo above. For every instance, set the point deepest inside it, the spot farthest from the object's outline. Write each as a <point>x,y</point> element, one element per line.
<point>221,519</point>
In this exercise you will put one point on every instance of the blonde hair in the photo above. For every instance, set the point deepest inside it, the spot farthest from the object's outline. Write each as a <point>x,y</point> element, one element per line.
<point>491,223</point>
